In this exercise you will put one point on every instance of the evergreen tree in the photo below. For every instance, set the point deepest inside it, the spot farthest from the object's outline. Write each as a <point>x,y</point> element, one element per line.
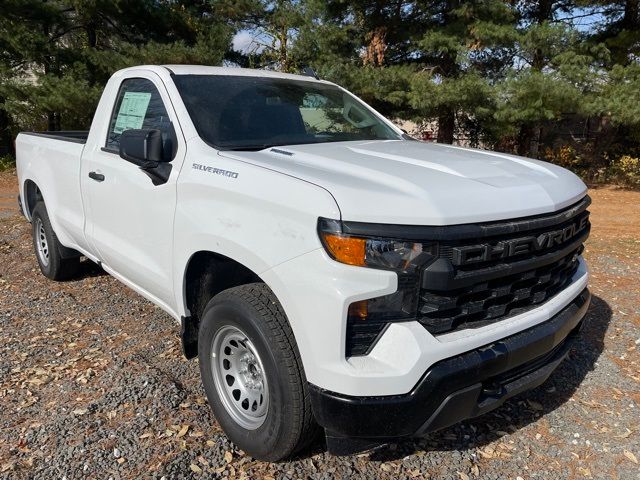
<point>464,48</point>
<point>553,74</point>
<point>58,54</point>
<point>415,59</point>
<point>363,45</point>
<point>620,30</point>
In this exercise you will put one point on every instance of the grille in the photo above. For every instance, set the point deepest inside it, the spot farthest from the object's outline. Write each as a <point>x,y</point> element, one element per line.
<point>487,302</point>
<point>455,297</point>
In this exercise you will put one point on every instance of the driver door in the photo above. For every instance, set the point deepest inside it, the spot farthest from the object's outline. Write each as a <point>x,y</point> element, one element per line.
<point>131,218</point>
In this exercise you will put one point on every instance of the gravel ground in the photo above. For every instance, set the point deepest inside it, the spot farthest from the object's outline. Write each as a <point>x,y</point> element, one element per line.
<point>93,385</point>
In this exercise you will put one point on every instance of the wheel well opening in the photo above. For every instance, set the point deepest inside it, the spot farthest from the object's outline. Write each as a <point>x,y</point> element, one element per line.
<point>33,195</point>
<point>207,275</point>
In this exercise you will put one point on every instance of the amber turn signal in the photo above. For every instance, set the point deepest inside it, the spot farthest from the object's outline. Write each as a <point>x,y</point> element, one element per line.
<point>359,310</point>
<point>349,250</point>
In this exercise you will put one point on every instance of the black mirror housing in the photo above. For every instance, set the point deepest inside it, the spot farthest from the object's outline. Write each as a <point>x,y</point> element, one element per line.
<point>142,147</point>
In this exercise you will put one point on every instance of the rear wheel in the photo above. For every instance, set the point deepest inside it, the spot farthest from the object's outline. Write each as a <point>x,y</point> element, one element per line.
<point>49,249</point>
<point>252,373</point>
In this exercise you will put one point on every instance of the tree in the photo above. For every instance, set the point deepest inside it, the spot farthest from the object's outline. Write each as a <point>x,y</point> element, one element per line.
<point>552,74</point>
<point>620,30</point>
<point>279,25</point>
<point>58,54</point>
<point>464,49</point>
<point>363,45</point>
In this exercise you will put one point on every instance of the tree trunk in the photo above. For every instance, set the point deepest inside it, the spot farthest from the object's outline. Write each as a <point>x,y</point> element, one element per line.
<point>528,137</point>
<point>544,12</point>
<point>631,18</point>
<point>92,36</point>
<point>449,70</point>
<point>446,127</point>
<point>51,122</point>
<point>6,145</point>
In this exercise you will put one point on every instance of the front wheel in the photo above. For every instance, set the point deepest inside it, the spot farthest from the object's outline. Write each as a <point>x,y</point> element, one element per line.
<point>252,373</point>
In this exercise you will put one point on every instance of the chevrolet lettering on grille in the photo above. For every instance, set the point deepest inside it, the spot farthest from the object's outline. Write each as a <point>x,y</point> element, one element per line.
<point>517,246</point>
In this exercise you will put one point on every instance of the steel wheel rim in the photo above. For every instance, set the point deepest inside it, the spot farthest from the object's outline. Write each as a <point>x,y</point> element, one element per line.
<point>42,245</point>
<point>239,377</point>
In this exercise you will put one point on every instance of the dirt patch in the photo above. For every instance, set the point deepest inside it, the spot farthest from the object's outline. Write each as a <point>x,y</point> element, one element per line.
<point>8,194</point>
<point>92,384</point>
<point>616,213</point>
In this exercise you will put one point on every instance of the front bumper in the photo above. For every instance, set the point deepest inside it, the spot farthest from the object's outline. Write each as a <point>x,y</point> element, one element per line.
<point>457,388</point>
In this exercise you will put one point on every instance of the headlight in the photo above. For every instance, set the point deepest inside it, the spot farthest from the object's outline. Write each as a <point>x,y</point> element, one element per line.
<point>386,254</point>
<point>367,318</point>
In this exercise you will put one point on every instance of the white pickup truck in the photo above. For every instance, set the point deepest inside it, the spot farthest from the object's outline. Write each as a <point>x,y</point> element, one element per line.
<point>326,269</point>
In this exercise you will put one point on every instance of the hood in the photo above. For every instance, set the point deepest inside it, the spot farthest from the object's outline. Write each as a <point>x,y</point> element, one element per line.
<point>417,183</point>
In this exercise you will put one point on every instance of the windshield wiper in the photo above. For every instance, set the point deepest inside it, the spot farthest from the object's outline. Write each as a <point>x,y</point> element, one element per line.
<point>249,148</point>
<point>262,146</point>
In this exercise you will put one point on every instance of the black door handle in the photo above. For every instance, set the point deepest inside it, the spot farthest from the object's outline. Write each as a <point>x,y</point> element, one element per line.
<point>98,177</point>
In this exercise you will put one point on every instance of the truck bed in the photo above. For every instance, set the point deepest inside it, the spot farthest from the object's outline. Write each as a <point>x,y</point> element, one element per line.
<point>54,162</point>
<point>75,136</point>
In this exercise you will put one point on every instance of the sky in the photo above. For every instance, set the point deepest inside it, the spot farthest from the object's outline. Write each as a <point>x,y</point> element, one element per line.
<point>244,42</point>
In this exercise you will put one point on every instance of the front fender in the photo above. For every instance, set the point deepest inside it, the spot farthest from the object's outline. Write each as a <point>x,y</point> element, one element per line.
<point>258,217</point>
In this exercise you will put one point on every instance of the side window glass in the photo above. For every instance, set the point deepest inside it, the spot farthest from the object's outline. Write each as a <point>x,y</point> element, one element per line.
<point>138,105</point>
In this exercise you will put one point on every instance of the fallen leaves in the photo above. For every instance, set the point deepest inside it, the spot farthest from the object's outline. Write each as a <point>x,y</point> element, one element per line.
<point>630,456</point>
<point>625,434</point>
<point>501,450</point>
<point>30,400</point>
<point>584,471</point>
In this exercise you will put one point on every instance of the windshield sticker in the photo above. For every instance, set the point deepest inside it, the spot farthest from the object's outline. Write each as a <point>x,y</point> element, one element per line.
<point>217,171</point>
<point>132,111</point>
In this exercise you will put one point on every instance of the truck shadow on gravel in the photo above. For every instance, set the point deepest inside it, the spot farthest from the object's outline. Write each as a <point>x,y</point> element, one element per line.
<point>523,409</point>
<point>88,269</point>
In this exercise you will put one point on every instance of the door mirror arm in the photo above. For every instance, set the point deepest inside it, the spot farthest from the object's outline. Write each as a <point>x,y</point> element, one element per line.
<point>148,165</point>
<point>158,172</point>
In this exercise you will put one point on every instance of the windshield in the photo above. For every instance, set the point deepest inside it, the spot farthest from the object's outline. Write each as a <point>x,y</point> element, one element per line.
<point>252,113</point>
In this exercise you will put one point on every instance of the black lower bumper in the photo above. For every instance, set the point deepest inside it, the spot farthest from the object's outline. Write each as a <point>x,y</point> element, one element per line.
<point>457,388</point>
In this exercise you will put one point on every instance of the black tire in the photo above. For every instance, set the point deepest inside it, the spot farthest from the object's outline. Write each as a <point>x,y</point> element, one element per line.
<point>53,266</point>
<point>288,424</point>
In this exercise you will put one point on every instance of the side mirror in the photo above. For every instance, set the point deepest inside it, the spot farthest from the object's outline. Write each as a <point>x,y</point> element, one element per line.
<point>146,149</point>
<point>142,147</point>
